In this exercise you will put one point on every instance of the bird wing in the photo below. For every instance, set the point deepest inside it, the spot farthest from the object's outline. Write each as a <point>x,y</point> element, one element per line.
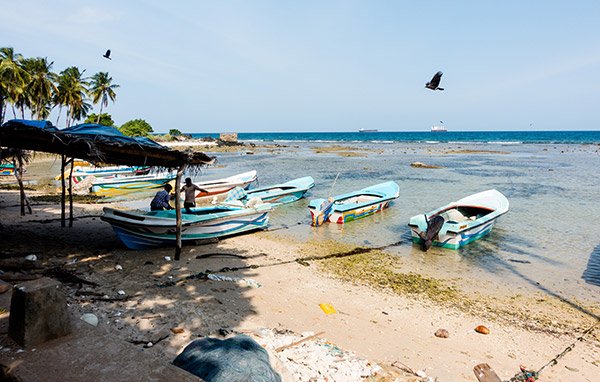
<point>435,81</point>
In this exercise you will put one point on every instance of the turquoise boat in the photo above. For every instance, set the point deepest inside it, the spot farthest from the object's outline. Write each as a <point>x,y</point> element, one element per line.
<point>353,205</point>
<point>464,221</point>
<point>139,230</point>
<point>7,169</point>
<point>280,193</point>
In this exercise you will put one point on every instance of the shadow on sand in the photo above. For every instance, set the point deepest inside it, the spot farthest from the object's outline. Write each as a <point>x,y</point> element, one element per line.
<point>591,275</point>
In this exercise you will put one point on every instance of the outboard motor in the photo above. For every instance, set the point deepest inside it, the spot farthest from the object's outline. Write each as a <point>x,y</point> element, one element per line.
<point>434,226</point>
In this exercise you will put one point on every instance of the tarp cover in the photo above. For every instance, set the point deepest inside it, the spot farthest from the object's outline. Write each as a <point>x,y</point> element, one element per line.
<point>239,358</point>
<point>102,132</point>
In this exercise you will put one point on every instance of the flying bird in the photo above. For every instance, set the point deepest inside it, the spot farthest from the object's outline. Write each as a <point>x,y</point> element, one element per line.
<point>107,55</point>
<point>435,82</point>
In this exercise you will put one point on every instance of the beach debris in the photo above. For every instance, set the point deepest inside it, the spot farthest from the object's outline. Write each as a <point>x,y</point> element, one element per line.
<point>118,267</point>
<point>442,333</point>
<point>238,358</point>
<point>224,332</point>
<point>520,261</point>
<point>31,257</point>
<point>485,373</point>
<point>482,329</point>
<point>168,258</point>
<point>148,345</point>
<point>249,282</point>
<point>65,276</point>
<point>121,292</point>
<point>281,348</point>
<point>177,330</point>
<point>90,318</point>
<point>327,308</point>
<point>423,165</point>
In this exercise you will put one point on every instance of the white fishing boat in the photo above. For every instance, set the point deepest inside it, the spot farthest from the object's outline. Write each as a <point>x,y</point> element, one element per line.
<point>459,223</point>
<point>219,186</point>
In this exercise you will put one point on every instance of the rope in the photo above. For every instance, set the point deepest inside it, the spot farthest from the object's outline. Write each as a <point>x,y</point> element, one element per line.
<point>531,375</point>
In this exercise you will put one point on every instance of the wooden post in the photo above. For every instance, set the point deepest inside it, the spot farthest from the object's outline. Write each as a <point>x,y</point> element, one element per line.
<point>62,195</point>
<point>178,210</point>
<point>18,163</point>
<point>71,193</point>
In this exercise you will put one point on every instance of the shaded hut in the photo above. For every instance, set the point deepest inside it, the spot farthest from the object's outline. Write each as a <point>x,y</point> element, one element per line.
<point>97,144</point>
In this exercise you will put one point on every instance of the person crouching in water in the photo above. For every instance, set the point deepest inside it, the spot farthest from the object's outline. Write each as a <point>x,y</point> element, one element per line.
<point>161,199</point>
<point>190,194</point>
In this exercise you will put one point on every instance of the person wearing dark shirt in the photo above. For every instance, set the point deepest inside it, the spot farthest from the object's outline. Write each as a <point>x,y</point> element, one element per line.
<point>161,199</point>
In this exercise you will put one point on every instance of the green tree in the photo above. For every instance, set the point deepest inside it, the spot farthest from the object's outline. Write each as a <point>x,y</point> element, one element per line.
<point>175,133</point>
<point>13,81</point>
<point>103,119</point>
<point>101,90</point>
<point>72,93</point>
<point>40,88</point>
<point>136,128</point>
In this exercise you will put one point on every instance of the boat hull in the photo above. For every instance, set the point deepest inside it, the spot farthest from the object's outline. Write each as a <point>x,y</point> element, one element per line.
<point>142,231</point>
<point>453,240</point>
<point>125,185</point>
<point>219,186</point>
<point>282,193</point>
<point>354,205</point>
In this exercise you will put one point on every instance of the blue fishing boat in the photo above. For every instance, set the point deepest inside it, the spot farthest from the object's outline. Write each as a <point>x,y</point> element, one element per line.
<point>353,205</point>
<point>139,230</point>
<point>280,193</point>
<point>7,169</point>
<point>109,187</point>
<point>459,223</point>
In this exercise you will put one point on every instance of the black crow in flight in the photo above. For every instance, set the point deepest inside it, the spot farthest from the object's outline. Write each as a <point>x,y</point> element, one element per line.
<point>107,55</point>
<point>435,82</point>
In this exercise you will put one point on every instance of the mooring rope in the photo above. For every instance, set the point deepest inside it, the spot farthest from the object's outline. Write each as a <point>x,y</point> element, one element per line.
<point>530,375</point>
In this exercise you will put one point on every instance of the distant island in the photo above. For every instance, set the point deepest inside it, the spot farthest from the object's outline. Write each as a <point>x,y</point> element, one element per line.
<point>361,130</point>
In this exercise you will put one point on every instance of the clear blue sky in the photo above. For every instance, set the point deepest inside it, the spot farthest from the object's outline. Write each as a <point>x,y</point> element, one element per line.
<point>327,65</point>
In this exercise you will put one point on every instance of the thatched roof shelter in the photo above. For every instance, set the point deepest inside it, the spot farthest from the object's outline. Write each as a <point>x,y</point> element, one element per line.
<point>96,144</point>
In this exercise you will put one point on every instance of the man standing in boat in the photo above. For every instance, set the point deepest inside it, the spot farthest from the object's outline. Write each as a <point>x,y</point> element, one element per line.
<point>161,199</point>
<point>190,194</point>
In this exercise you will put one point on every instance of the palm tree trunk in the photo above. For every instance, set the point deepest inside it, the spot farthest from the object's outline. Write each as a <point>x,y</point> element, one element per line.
<point>99,114</point>
<point>59,111</point>
<point>18,163</point>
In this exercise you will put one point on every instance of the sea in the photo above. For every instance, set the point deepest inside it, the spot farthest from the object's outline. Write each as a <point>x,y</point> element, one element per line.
<point>548,242</point>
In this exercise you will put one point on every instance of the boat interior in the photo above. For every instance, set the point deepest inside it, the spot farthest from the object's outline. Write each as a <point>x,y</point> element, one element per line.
<point>358,199</point>
<point>464,213</point>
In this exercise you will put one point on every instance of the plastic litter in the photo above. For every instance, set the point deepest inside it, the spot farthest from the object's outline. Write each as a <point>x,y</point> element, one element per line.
<point>327,308</point>
<point>249,282</point>
<point>118,267</point>
<point>31,257</point>
<point>90,319</point>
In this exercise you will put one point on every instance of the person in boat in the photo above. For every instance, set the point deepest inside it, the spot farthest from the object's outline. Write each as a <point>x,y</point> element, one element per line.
<point>190,189</point>
<point>161,199</point>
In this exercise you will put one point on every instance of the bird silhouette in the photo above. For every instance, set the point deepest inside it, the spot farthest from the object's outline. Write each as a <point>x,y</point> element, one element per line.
<point>435,82</point>
<point>107,55</point>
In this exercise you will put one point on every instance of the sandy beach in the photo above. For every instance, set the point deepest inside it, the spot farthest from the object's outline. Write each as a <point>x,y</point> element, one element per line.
<point>384,318</point>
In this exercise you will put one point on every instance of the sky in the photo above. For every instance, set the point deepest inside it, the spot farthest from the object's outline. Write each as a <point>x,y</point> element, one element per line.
<point>284,66</point>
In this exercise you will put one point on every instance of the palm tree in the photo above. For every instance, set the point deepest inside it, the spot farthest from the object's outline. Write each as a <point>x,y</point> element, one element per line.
<point>13,81</point>
<point>101,90</point>
<point>72,94</point>
<point>41,87</point>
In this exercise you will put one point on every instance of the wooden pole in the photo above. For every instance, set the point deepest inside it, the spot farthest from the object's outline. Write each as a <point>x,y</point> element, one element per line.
<point>62,195</point>
<point>18,164</point>
<point>178,210</point>
<point>71,193</point>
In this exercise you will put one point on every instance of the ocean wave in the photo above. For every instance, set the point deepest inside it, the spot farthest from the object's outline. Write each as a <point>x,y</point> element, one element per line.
<point>432,142</point>
<point>505,142</point>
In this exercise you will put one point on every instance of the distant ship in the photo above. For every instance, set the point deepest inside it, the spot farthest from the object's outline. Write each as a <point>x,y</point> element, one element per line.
<point>361,130</point>
<point>438,128</point>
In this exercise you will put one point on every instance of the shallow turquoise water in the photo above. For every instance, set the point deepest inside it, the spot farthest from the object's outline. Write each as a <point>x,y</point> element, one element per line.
<point>547,242</point>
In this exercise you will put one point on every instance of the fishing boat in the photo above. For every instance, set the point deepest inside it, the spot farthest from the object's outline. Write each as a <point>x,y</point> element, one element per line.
<point>280,193</point>
<point>126,184</point>
<point>139,230</point>
<point>82,172</point>
<point>363,130</point>
<point>219,186</point>
<point>7,169</point>
<point>353,205</point>
<point>459,223</point>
